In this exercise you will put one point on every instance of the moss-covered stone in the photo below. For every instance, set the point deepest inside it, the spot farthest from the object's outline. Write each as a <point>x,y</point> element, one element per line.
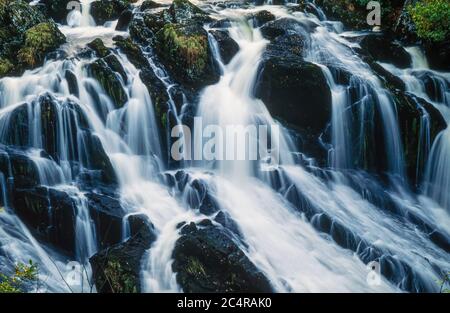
<point>107,10</point>
<point>39,40</point>
<point>57,9</point>
<point>99,47</point>
<point>185,51</point>
<point>110,82</point>
<point>5,67</point>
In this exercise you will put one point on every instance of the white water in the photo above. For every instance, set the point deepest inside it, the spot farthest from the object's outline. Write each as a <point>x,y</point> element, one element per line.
<point>279,239</point>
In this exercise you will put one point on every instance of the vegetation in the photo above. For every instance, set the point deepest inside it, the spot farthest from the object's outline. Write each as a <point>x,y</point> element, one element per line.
<point>431,18</point>
<point>23,274</point>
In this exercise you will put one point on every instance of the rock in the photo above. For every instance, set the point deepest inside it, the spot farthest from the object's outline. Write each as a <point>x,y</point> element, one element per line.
<point>149,4</point>
<point>405,28</point>
<point>50,214</point>
<point>20,167</point>
<point>292,89</point>
<point>410,110</point>
<point>185,51</point>
<point>132,51</point>
<point>351,13</point>
<point>19,15</point>
<point>124,20</point>
<point>184,12</point>
<point>16,127</point>
<point>223,23</point>
<point>383,49</point>
<point>5,67</point>
<point>39,40</point>
<point>286,27</point>
<point>206,259</point>
<point>58,9</point>
<point>117,269</point>
<point>107,10</point>
<point>107,214</point>
<point>110,81</point>
<point>227,46</point>
<point>261,17</point>
<point>99,47</point>
<point>72,83</point>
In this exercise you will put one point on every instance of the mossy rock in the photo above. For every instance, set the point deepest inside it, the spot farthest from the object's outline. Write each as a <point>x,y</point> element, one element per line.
<point>185,51</point>
<point>99,47</point>
<point>110,81</point>
<point>39,40</point>
<point>57,9</point>
<point>108,10</point>
<point>20,15</point>
<point>206,259</point>
<point>132,51</point>
<point>5,67</point>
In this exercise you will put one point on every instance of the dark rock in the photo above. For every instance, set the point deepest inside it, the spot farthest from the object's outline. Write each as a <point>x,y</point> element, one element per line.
<point>351,13</point>
<point>260,18</point>
<point>110,81</point>
<point>72,83</point>
<point>227,46</point>
<point>410,110</point>
<point>57,9</point>
<point>223,23</point>
<point>117,269</point>
<point>185,51</point>
<point>184,12</point>
<point>286,27</point>
<point>132,51</point>
<point>383,49</point>
<point>20,167</point>
<point>438,55</point>
<point>124,20</point>
<point>149,4</point>
<point>107,10</point>
<point>50,214</point>
<point>107,213</point>
<point>99,47</point>
<point>19,15</point>
<point>206,259</point>
<point>294,90</point>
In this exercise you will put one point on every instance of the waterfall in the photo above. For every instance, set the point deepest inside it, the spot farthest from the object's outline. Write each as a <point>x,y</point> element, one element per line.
<point>306,228</point>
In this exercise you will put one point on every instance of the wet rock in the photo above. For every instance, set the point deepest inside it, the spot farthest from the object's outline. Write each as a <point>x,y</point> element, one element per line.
<point>50,214</point>
<point>184,12</point>
<point>410,110</point>
<point>206,259</point>
<point>19,15</point>
<point>438,55</point>
<point>99,47</point>
<point>149,4</point>
<point>107,10</point>
<point>227,46</point>
<point>16,128</point>
<point>222,23</point>
<point>261,17</point>
<point>58,9</point>
<point>20,167</point>
<point>294,90</point>
<point>351,13</point>
<point>124,20</point>
<point>285,27</point>
<point>117,269</point>
<point>39,40</point>
<point>383,49</point>
<point>133,52</point>
<point>107,213</point>
<point>72,83</point>
<point>110,81</point>
<point>184,49</point>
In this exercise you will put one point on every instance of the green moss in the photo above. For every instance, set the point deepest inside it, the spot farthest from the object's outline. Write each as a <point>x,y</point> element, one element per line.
<point>99,47</point>
<point>195,267</point>
<point>43,37</point>
<point>432,19</point>
<point>186,49</point>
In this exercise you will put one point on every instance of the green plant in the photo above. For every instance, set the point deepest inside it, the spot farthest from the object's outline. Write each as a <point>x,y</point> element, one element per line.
<point>431,18</point>
<point>23,273</point>
<point>445,282</point>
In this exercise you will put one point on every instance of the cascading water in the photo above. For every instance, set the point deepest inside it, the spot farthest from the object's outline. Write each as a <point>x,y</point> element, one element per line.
<point>305,228</point>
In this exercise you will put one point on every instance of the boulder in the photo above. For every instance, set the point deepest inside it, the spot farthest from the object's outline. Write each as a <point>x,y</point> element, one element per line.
<point>117,269</point>
<point>110,81</point>
<point>207,259</point>
<point>149,4</point>
<point>124,20</point>
<point>49,213</point>
<point>132,51</point>
<point>185,51</point>
<point>227,46</point>
<point>58,9</point>
<point>293,90</point>
<point>184,12</point>
<point>383,49</point>
<point>107,10</point>
<point>438,55</point>
<point>261,17</point>
<point>99,47</point>
<point>39,40</point>
<point>21,168</point>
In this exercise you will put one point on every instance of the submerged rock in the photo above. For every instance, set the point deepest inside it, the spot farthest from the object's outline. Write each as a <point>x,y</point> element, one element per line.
<point>207,259</point>
<point>117,269</point>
